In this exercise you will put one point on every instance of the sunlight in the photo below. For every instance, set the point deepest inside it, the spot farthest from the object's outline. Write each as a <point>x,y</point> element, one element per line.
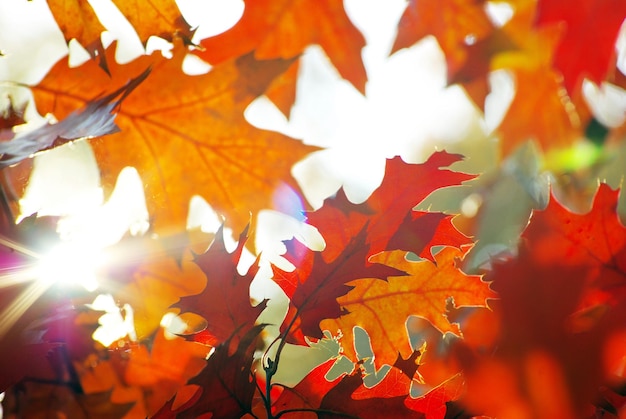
<point>71,264</point>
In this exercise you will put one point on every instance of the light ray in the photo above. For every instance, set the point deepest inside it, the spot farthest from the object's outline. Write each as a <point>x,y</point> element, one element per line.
<point>18,307</point>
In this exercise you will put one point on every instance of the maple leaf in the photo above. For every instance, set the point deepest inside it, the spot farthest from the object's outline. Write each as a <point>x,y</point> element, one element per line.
<point>586,49</point>
<point>403,187</point>
<point>197,120</point>
<point>384,307</point>
<point>455,24</point>
<point>225,300</point>
<point>317,290</point>
<point>95,120</point>
<point>283,29</point>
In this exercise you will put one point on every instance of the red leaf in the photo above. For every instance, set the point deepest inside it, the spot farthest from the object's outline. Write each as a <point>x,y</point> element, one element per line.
<point>562,299</point>
<point>315,297</point>
<point>403,187</point>
<point>595,241</point>
<point>225,301</point>
<point>339,402</point>
<point>308,393</point>
<point>590,28</point>
<point>227,384</point>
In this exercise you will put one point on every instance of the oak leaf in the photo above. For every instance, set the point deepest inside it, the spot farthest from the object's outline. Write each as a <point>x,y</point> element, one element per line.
<point>164,369</point>
<point>403,187</point>
<point>586,49</point>
<point>340,402</point>
<point>78,20</point>
<point>225,300</point>
<point>560,303</point>
<point>36,400</point>
<point>455,24</point>
<point>145,276</point>
<point>307,395</point>
<point>541,110</point>
<point>227,384</point>
<point>318,287</point>
<point>283,29</point>
<point>595,241</point>
<point>193,140</point>
<point>383,307</point>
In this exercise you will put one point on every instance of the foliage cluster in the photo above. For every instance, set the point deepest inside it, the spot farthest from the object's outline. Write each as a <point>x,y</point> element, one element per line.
<point>513,309</point>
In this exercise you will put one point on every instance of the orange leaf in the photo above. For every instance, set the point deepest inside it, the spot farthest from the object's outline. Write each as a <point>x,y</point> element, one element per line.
<point>455,24</point>
<point>541,110</point>
<point>169,364</point>
<point>186,135</point>
<point>161,18</point>
<point>284,28</point>
<point>383,307</point>
<point>77,20</point>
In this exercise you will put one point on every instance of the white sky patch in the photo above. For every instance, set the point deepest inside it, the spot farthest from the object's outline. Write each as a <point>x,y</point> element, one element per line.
<point>607,102</point>
<point>115,324</point>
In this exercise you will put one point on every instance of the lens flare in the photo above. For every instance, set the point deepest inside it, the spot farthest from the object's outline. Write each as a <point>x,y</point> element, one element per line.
<point>71,264</point>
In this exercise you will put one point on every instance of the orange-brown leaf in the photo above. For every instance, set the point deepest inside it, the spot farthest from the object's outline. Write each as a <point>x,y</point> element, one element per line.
<point>185,135</point>
<point>284,28</point>
<point>454,23</point>
<point>163,369</point>
<point>77,20</point>
<point>161,18</point>
<point>383,307</point>
<point>541,110</point>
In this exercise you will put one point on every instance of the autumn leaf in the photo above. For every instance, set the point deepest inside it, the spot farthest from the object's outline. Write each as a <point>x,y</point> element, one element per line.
<point>39,400</point>
<point>541,111</point>
<point>586,49</point>
<point>339,402</point>
<point>197,120</point>
<point>455,24</point>
<point>383,307</point>
<point>474,72</point>
<point>227,384</point>
<point>403,187</point>
<point>225,300</point>
<point>558,309</point>
<point>305,397</point>
<point>317,290</point>
<point>78,20</point>
<point>595,241</point>
<point>150,279</point>
<point>94,120</point>
<point>283,29</point>
<point>164,369</point>
<point>10,117</point>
